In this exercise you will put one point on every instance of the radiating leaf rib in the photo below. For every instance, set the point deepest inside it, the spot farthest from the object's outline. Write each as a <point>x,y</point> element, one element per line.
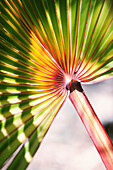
<point>94,59</point>
<point>76,61</point>
<point>51,6</point>
<point>85,8</point>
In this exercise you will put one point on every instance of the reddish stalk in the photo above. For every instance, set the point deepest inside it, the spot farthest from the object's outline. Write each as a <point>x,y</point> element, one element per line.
<point>93,125</point>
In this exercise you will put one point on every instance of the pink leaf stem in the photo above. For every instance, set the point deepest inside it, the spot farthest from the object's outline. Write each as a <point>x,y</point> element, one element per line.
<point>94,127</point>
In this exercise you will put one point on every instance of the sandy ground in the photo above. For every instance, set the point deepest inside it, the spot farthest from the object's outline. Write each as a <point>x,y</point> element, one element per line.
<point>67,146</point>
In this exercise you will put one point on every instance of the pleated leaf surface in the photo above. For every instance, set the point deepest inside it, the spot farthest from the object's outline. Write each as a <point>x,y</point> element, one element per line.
<point>41,43</point>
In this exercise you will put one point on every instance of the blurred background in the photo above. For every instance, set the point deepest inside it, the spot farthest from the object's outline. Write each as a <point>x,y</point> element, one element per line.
<point>67,145</point>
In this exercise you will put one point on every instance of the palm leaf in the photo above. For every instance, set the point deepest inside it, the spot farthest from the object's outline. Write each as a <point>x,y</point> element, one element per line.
<point>43,44</point>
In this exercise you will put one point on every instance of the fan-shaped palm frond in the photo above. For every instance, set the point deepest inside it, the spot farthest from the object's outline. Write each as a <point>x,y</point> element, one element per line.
<point>44,44</point>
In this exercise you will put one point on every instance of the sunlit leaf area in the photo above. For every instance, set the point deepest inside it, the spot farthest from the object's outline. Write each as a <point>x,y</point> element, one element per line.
<point>43,45</point>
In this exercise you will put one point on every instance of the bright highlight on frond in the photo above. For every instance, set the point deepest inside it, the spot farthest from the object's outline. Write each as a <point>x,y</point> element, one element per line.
<point>44,44</point>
